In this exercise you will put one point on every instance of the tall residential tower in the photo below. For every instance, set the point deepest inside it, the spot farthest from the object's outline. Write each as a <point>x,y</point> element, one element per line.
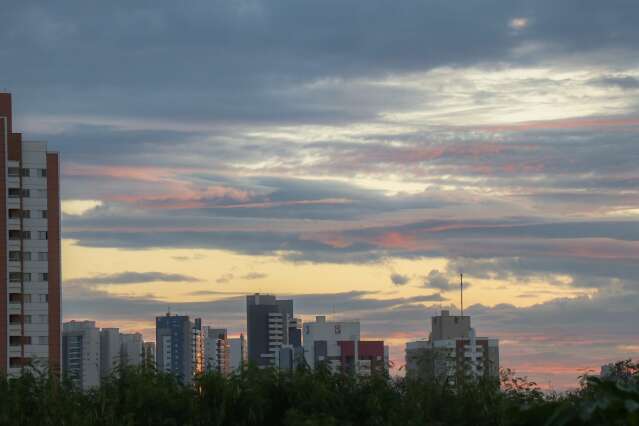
<point>29,250</point>
<point>270,324</point>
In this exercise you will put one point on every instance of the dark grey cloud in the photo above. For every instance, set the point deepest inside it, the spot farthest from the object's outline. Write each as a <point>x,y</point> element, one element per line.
<point>132,278</point>
<point>242,55</point>
<point>438,280</point>
<point>626,82</point>
<point>399,279</point>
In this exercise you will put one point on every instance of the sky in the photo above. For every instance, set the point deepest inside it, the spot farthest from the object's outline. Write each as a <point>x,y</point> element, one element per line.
<point>356,156</point>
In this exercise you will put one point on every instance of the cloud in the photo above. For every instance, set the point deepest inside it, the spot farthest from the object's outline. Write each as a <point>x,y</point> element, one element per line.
<point>254,276</point>
<point>438,280</point>
<point>625,82</point>
<point>399,279</point>
<point>131,278</point>
<point>226,278</point>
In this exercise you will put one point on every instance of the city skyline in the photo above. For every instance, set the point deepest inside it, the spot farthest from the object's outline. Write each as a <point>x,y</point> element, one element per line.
<point>349,156</point>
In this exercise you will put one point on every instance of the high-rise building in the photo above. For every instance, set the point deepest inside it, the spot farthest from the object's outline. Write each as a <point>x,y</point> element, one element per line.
<point>198,335</point>
<point>337,345</point>
<point>174,346</point>
<point>238,353</point>
<point>110,350</point>
<point>452,352</point>
<point>217,354</point>
<point>131,349</point>
<point>269,325</point>
<point>148,357</point>
<point>81,353</point>
<point>29,249</point>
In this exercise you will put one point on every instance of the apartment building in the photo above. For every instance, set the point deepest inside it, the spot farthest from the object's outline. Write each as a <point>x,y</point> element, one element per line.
<point>30,318</point>
<point>131,349</point>
<point>237,352</point>
<point>270,324</point>
<point>337,345</point>
<point>81,353</point>
<point>174,345</point>
<point>217,351</point>
<point>110,350</point>
<point>452,352</point>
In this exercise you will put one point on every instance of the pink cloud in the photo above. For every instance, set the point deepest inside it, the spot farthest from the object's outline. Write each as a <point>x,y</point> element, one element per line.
<point>567,123</point>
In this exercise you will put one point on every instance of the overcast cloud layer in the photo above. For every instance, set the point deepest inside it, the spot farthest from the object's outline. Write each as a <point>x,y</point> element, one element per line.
<point>501,136</point>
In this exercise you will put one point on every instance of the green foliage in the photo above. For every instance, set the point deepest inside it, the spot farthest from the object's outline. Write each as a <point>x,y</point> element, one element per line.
<point>144,396</point>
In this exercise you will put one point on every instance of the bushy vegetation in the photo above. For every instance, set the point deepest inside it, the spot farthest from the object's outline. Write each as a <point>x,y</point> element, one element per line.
<point>143,396</point>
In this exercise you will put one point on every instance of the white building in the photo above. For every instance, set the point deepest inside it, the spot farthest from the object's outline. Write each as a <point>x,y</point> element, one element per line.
<point>452,351</point>
<point>320,339</point>
<point>81,353</point>
<point>131,349</point>
<point>110,348</point>
<point>217,355</point>
<point>30,319</point>
<point>149,353</point>
<point>238,354</point>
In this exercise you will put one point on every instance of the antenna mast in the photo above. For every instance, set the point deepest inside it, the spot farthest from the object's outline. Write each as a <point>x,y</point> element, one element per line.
<point>461,292</point>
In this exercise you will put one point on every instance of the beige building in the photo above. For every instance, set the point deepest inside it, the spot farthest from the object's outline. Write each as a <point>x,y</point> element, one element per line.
<point>452,352</point>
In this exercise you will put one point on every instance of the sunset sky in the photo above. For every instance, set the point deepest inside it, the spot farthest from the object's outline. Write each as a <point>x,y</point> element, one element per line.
<point>355,156</point>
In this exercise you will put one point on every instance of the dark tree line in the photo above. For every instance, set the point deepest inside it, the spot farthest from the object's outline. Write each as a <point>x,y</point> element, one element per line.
<point>144,396</point>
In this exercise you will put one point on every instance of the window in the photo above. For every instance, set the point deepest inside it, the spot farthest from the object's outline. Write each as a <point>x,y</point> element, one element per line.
<point>26,172</point>
<point>26,255</point>
<point>15,193</point>
<point>44,214</point>
<point>43,172</point>
<point>14,171</point>
<point>18,340</point>
<point>14,234</point>
<point>43,256</point>
<point>19,297</point>
<point>26,235</point>
<point>43,340</point>
<point>43,276</point>
<point>338,329</point>
<point>43,298</point>
<point>16,213</point>
<point>14,277</point>
<point>17,319</point>
<point>26,276</point>
<point>14,256</point>
<point>43,235</point>
<point>17,362</point>
<point>15,297</point>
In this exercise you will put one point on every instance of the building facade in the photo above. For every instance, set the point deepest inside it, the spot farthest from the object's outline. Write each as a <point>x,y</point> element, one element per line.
<point>453,352</point>
<point>30,317</point>
<point>238,352</point>
<point>131,349</point>
<point>174,346</point>
<point>217,351</point>
<point>337,345</point>
<point>270,324</point>
<point>81,353</point>
<point>149,354</point>
<point>110,350</point>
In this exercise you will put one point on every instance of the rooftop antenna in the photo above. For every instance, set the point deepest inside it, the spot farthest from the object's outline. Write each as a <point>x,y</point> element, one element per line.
<point>461,292</point>
<point>168,311</point>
